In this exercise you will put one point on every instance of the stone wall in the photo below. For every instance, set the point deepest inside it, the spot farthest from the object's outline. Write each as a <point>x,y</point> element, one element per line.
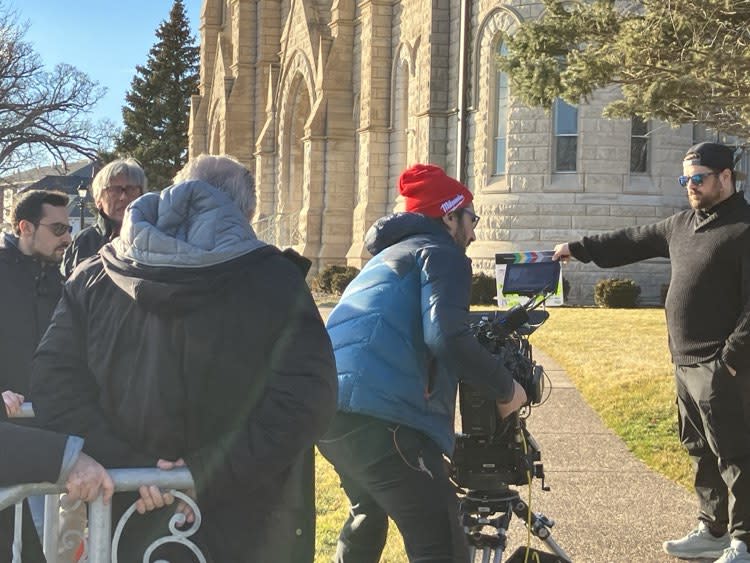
<point>327,101</point>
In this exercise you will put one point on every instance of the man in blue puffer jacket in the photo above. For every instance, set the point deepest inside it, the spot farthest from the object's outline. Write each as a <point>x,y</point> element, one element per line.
<point>402,343</point>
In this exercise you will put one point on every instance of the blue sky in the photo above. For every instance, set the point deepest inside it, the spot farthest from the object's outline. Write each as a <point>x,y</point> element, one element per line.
<point>103,38</point>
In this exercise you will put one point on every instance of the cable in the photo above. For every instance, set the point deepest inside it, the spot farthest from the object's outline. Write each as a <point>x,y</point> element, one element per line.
<point>547,388</point>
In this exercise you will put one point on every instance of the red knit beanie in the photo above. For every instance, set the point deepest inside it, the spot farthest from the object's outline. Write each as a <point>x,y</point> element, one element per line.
<point>430,191</point>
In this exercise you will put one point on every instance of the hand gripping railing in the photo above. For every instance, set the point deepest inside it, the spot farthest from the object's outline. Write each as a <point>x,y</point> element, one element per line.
<point>102,545</point>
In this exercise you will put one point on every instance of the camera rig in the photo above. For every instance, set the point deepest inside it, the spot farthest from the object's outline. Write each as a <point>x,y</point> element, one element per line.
<point>492,455</point>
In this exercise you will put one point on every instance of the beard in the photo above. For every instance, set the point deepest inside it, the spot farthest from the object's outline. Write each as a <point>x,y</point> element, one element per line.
<point>54,258</point>
<point>703,201</point>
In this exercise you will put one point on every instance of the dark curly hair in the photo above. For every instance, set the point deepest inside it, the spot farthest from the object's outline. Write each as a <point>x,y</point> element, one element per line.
<point>29,206</point>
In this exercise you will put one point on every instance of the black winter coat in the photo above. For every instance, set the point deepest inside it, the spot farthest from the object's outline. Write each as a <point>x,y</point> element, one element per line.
<point>29,292</point>
<point>87,243</point>
<point>29,455</point>
<point>227,366</point>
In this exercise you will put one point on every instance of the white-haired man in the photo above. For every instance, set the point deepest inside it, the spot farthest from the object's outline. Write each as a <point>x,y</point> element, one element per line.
<point>114,187</point>
<point>218,359</point>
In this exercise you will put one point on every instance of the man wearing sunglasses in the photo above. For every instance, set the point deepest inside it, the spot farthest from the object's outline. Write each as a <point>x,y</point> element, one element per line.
<point>30,281</point>
<point>114,187</point>
<point>708,318</point>
<point>30,286</point>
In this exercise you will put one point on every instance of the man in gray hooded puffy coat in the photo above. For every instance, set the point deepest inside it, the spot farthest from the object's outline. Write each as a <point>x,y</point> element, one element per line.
<point>190,339</point>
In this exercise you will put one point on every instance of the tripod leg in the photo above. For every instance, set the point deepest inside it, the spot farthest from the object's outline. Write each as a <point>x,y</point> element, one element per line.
<point>540,527</point>
<point>556,549</point>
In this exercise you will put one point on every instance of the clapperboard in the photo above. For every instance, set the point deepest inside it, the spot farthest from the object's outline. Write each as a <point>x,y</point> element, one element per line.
<point>513,282</point>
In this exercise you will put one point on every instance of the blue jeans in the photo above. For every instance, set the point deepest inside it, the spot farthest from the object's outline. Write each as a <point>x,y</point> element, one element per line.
<point>391,470</point>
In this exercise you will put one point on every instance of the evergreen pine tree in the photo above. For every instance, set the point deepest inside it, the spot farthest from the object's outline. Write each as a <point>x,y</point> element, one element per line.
<point>156,110</point>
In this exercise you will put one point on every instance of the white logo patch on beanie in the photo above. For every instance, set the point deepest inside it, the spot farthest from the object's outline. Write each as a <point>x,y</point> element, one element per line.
<point>452,204</point>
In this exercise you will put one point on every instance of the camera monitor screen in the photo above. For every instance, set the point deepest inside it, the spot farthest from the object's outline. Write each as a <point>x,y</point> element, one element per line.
<point>530,278</point>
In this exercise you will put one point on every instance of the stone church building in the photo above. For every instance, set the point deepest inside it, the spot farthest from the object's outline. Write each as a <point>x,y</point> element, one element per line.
<point>329,100</point>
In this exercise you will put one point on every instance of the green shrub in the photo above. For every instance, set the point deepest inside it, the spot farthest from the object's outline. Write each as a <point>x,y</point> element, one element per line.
<point>334,278</point>
<point>325,277</point>
<point>616,293</point>
<point>483,289</point>
<point>340,280</point>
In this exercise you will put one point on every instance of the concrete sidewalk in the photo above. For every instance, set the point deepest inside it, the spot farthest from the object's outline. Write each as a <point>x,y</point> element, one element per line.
<point>607,505</point>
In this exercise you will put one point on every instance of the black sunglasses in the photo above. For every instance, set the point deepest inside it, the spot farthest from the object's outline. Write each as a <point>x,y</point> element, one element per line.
<point>473,216</point>
<point>697,179</point>
<point>58,229</point>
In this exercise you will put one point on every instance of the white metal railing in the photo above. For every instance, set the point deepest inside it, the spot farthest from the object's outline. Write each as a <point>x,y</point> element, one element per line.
<point>101,545</point>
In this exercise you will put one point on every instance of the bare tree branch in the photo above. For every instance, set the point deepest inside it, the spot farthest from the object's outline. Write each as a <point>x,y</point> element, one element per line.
<point>43,113</point>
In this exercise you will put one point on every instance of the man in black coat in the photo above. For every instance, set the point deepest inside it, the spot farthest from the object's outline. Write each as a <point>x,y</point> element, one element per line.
<point>30,286</point>
<point>708,318</point>
<point>188,338</point>
<point>30,281</point>
<point>31,455</point>
<point>114,187</point>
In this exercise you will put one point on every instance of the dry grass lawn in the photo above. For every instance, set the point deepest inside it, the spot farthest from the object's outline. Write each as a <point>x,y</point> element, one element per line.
<point>619,361</point>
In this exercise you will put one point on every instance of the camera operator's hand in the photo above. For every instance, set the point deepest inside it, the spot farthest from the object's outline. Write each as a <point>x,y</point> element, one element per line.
<point>562,252</point>
<point>519,399</point>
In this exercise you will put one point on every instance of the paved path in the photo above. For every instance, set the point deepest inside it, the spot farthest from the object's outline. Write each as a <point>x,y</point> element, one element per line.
<point>607,505</point>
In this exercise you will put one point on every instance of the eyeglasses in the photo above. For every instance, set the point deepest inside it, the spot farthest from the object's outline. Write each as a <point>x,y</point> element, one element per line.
<point>696,179</point>
<point>130,191</point>
<point>58,229</point>
<point>473,216</point>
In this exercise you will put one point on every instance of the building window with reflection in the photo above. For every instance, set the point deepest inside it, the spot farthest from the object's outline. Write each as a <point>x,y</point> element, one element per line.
<point>500,130</point>
<point>638,145</point>
<point>565,118</point>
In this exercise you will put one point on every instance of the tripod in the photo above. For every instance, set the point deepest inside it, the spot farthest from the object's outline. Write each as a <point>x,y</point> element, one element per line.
<point>480,510</point>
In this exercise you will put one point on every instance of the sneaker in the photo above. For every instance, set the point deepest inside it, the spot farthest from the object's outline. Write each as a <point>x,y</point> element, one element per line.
<point>735,553</point>
<point>700,543</point>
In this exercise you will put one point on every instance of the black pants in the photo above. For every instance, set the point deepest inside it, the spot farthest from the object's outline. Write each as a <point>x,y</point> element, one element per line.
<point>391,470</point>
<point>714,416</point>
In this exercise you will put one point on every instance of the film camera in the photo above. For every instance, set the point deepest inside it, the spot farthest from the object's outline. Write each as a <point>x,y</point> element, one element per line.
<point>492,455</point>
